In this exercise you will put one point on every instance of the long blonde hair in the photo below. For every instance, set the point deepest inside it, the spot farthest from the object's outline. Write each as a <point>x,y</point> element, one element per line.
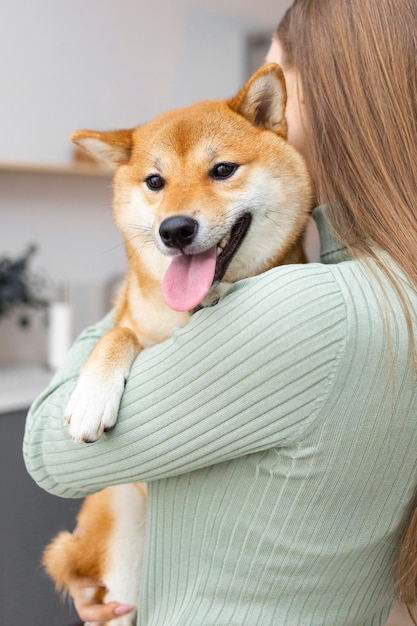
<point>357,62</point>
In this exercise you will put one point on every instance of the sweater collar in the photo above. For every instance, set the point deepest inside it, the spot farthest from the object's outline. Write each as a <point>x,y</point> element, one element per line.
<point>331,249</point>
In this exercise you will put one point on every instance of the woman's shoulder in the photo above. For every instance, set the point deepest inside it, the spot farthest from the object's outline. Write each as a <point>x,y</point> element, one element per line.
<point>350,298</point>
<point>293,284</point>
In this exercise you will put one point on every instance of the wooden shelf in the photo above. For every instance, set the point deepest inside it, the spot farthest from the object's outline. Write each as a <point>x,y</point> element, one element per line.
<point>73,169</point>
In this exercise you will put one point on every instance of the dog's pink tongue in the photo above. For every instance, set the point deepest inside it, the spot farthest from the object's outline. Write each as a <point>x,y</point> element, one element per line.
<point>188,279</point>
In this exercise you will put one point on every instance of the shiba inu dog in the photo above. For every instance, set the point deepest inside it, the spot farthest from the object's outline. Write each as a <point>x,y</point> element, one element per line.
<point>204,196</point>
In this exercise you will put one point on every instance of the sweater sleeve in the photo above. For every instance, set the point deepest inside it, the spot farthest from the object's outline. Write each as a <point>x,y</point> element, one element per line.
<point>246,375</point>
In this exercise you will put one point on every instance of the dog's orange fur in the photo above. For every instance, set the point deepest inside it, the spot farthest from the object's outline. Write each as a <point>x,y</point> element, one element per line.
<point>73,556</point>
<point>250,130</point>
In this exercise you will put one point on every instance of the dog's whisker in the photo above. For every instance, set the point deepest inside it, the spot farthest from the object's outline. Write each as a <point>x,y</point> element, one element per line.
<point>271,218</point>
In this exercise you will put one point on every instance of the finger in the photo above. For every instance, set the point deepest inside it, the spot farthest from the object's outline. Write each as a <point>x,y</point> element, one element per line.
<point>101,612</point>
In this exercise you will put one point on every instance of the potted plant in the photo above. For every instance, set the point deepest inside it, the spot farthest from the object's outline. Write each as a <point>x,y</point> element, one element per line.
<point>18,286</point>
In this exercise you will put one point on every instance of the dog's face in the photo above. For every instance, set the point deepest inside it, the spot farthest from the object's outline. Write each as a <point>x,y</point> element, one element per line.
<point>211,193</point>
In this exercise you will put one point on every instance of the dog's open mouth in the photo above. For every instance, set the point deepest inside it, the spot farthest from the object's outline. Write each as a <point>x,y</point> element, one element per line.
<point>190,277</point>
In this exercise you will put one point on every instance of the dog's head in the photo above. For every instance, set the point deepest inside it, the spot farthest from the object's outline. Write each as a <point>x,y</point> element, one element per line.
<point>215,188</point>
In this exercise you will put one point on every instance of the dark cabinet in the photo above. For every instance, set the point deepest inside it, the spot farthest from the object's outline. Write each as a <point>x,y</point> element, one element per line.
<point>29,518</point>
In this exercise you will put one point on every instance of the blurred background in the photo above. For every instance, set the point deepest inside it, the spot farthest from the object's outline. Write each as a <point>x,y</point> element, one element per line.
<point>67,65</point>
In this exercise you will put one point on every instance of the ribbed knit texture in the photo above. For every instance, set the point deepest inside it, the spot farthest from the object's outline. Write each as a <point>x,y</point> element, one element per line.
<point>278,435</point>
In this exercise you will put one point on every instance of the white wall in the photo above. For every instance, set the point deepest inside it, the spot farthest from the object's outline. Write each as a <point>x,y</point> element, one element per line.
<point>99,64</point>
<point>105,64</point>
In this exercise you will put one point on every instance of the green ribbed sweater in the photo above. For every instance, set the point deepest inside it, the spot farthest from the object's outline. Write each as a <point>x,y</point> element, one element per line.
<point>278,435</point>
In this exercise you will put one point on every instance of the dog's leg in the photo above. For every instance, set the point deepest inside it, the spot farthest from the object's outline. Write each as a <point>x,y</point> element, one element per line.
<point>94,403</point>
<point>125,550</point>
<point>107,546</point>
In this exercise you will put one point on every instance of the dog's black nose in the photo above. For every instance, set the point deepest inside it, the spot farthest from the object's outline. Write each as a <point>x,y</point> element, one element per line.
<point>178,231</point>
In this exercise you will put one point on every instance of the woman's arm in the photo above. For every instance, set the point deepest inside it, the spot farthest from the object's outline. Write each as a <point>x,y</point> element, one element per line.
<point>243,376</point>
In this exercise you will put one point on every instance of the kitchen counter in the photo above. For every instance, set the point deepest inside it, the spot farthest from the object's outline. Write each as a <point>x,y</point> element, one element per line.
<point>20,385</point>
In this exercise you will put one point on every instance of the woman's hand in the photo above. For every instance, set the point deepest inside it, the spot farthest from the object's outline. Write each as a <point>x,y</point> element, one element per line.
<point>82,593</point>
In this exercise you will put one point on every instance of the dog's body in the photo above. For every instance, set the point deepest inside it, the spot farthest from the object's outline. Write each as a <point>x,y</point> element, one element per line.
<point>203,196</point>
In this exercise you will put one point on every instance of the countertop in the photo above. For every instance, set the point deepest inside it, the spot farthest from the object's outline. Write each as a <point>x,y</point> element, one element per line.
<point>20,385</point>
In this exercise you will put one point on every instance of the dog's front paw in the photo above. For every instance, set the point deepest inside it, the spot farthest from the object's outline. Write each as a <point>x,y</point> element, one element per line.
<point>93,406</point>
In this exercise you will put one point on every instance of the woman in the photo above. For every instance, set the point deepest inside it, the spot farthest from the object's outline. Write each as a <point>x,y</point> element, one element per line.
<point>280,448</point>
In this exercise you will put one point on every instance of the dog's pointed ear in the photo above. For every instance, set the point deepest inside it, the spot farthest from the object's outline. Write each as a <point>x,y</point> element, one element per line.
<point>113,148</point>
<point>262,100</point>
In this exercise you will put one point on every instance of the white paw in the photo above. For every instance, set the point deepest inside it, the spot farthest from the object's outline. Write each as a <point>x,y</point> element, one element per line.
<point>94,405</point>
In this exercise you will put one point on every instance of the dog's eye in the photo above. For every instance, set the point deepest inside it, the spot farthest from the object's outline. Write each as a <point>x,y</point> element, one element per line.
<point>155,182</point>
<point>223,170</point>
